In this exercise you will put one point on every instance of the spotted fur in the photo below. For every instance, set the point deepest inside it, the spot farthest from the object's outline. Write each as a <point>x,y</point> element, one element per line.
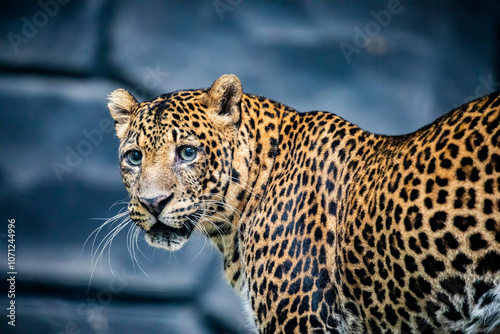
<point>324,227</point>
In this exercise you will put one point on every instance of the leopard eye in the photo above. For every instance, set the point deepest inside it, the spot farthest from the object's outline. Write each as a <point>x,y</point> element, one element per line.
<point>187,153</point>
<point>134,157</point>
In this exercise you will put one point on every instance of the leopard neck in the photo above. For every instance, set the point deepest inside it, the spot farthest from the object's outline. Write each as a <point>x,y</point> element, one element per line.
<point>254,153</point>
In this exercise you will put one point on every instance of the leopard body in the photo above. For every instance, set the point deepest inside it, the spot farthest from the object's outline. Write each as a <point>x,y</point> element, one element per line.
<point>324,227</point>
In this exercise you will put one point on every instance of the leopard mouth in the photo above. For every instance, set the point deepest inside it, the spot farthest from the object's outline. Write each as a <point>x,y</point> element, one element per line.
<point>171,238</point>
<point>165,230</point>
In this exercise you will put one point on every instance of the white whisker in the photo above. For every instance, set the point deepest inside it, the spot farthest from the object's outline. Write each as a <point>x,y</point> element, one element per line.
<point>115,224</point>
<point>244,186</point>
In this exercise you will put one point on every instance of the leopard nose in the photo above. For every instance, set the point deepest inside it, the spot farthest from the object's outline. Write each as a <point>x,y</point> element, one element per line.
<point>155,205</point>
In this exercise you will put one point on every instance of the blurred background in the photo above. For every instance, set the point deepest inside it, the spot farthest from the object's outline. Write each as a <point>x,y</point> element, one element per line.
<point>390,67</point>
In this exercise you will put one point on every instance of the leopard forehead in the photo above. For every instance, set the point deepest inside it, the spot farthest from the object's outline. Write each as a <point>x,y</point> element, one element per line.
<point>171,118</point>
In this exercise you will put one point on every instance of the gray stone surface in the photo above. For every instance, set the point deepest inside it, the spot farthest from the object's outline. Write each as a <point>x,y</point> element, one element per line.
<point>60,35</point>
<point>103,316</point>
<point>425,59</point>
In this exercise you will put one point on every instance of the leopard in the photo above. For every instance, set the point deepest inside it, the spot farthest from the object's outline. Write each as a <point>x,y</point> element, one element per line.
<point>323,227</point>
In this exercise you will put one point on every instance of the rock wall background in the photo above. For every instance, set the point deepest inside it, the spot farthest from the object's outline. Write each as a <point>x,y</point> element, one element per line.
<point>390,67</point>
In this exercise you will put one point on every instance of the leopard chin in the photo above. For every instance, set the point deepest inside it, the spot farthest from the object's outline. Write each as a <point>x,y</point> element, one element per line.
<point>163,236</point>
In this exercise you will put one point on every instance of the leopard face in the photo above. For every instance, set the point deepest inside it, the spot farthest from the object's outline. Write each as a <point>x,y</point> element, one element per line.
<point>175,154</point>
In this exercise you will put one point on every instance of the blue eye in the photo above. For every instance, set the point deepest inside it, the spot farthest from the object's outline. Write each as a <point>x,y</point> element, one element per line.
<point>134,157</point>
<point>188,153</point>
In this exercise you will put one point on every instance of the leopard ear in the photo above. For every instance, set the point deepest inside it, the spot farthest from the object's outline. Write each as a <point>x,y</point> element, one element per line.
<point>121,105</point>
<point>225,97</point>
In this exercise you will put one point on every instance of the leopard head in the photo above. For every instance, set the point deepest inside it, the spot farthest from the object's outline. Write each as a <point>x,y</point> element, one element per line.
<point>175,156</point>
